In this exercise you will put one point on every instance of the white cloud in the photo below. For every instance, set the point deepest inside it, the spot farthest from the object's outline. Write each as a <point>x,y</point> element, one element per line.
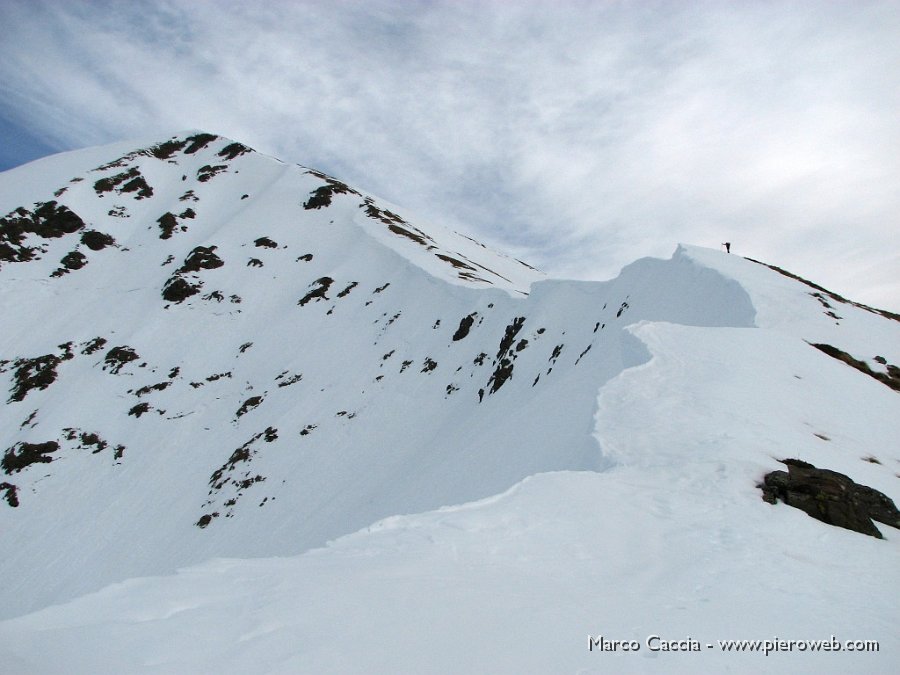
<point>577,136</point>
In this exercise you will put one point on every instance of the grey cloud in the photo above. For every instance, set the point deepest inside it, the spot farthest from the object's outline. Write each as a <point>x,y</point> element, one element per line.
<point>577,136</point>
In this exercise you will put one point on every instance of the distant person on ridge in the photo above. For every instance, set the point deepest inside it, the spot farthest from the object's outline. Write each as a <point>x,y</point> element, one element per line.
<point>727,246</point>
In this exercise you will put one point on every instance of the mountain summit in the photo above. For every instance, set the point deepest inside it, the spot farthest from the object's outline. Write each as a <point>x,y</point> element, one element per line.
<point>208,354</point>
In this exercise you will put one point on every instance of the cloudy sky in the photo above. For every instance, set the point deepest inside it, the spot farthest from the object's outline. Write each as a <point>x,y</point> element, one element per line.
<point>577,136</point>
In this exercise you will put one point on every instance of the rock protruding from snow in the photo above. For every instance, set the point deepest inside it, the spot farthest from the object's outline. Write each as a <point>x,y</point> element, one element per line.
<point>831,497</point>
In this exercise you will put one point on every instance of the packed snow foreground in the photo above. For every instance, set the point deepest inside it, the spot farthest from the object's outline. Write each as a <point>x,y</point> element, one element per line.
<point>261,422</point>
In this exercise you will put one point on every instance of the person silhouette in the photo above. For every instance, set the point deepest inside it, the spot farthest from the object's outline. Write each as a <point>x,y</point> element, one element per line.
<point>727,246</point>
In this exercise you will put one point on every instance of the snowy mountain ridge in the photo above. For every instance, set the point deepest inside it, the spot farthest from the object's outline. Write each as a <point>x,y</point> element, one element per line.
<point>212,354</point>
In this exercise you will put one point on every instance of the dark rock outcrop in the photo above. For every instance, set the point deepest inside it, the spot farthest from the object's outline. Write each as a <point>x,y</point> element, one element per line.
<point>205,173</point>
<point>128,181</point>
<point>117,357</point>
<point>891,378</point>
<point>831,497</point>
<point>177,289</point>
<point>12,494</point>
<point>321,196</point>
<point>465,325</point>
<point>505,355</point>
<point>97,241</point>
<point>233,150</point>
<point>201,258</point>
<point>36,373</point>
<point>319,289</point>
<point>265,242</point>
<point>48,221</point>
<point>23,455</point>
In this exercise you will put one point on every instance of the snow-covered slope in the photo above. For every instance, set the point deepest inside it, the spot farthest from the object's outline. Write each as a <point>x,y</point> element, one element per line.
<point>211,354</point>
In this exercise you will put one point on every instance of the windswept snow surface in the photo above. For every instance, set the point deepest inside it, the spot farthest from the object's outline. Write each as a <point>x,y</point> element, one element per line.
<point>434,461</point>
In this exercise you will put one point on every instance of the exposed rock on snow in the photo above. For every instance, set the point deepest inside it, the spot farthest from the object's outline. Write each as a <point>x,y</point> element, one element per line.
<point>891,378</point>
<point>831,497</point>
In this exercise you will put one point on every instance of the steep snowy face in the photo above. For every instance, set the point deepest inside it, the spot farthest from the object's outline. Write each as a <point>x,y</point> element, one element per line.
<point>207,352</point>
<point>192,188</point>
